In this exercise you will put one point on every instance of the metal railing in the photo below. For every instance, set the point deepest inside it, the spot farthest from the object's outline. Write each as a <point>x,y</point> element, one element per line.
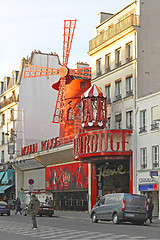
<point>14,98</point>
<point>132,20</point>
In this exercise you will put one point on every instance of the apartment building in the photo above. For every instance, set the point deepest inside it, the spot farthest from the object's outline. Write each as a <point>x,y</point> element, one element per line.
<point>26,113</point>
<point>124,59</point>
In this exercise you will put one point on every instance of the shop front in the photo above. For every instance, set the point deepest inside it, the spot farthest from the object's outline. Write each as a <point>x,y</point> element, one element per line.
<point>109,151</point>
<point>149,186</point>
<point>112,176</point>
<point>68,184</point>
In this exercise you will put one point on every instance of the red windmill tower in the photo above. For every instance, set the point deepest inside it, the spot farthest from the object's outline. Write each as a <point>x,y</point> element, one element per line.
<point>66,77</point>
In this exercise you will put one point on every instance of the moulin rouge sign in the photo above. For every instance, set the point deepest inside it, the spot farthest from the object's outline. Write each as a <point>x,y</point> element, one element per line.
<point>45,145</point>
<point>98,142</point>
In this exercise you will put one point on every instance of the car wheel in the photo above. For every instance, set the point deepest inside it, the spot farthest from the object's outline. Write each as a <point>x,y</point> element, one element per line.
<point>40,215</point>
<point>50,215</point>
<point>115,218</point>
<point>94,218</point>
<point>8,214</point>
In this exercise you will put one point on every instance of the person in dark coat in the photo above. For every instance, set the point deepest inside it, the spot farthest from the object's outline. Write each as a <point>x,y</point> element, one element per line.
<point>97,200</point>
<point>33,209</point>
<point>150,209</point>
<point>18,206</point>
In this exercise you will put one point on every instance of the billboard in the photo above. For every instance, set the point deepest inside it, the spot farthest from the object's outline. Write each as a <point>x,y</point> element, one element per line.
<point>72,176</point>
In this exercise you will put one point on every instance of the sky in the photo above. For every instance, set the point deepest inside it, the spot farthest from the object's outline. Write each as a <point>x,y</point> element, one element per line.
<point>31,25</point>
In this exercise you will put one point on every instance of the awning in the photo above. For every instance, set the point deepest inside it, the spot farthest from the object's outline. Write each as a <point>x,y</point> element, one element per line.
<point>5,187</point>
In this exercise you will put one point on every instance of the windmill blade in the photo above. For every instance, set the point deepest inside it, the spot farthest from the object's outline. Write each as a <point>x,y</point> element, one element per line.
<point>81,73</point>
<point>69,27</point>
<point>38,71</point>
<point>58,116</point>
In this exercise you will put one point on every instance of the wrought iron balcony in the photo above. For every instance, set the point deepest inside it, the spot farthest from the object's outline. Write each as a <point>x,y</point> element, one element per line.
<point>129,93</point>
<point>12,99</point>
<point>142,129</point>
<point>155,126</point>
<point>132,20</point>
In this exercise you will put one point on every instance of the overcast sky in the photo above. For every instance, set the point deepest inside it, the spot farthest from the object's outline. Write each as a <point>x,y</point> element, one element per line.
<point>31,25</point>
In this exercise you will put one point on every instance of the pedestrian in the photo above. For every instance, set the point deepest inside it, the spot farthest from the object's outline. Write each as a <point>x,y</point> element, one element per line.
<point>18,206</point>
<point>97,200</point>
<point>33,209</point>
<point>150,210</point>
<point>13,204</point>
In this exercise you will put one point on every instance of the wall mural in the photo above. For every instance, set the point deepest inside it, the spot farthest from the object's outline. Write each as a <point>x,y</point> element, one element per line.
<point>69,176</point>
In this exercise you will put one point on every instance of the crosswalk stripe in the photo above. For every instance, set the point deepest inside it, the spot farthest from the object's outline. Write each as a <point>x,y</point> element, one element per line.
<point>59,233</point>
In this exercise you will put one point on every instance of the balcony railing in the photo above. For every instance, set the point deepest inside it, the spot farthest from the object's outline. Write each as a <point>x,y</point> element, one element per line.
<point>143,129</point>
<point>129,93</point>
<point>155,126</point>
<point>132,20</point>
<point>13,98</point>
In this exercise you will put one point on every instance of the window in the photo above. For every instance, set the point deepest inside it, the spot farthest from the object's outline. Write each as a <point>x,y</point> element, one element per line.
<point>107,62</point>
<point>142,121</point>
<point>108,93</point>
<point>108,125</point>
<point>129,86</point>
<point>155,124</point>
<point>3,119</point>
<point>3,138</point>
<point>143,156</point>
<point>118,90</point>
<point>118,121</point>
<point>98,67</point>
<point>12,115</point>
<point>2,157</point>
<point>71,114</point>
<point>118,57</point>
<point>129,119</point>
<point>82,85</point>
<point>155,156</point>
<point>129,52</point>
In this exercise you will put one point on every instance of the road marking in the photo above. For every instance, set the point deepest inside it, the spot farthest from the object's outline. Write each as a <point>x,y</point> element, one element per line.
<point>59,233</point>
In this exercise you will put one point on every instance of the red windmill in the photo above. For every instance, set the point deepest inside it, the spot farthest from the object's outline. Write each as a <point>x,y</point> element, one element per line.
<point>66,74</point>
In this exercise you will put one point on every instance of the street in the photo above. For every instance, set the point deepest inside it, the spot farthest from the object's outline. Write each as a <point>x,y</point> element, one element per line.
<point>18,227</point>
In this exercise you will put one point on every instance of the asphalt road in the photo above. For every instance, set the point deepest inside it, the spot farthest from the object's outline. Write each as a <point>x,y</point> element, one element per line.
<point>19,227</point>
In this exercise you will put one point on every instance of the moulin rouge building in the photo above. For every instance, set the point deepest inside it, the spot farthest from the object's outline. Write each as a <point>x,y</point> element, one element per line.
<point>87,159</point>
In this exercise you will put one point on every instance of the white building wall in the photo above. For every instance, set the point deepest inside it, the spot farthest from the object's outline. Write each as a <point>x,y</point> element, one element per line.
<point>38,175</point>
<point>37,100</point>
<point>147,140</point>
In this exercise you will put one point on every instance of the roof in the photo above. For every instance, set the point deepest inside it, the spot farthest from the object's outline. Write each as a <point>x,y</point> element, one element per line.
<point>93,91</point>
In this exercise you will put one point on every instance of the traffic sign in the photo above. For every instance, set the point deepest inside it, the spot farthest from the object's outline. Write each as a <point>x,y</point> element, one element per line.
<point>153,173</point>
<point>31,181</point>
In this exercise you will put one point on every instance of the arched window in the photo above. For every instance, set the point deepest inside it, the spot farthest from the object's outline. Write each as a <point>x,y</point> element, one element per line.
<point>71,114</point>
<point>82,84</point>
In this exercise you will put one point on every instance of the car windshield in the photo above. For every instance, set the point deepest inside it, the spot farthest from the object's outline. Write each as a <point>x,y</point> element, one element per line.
<point>44,204</point>
<point>3,203</point>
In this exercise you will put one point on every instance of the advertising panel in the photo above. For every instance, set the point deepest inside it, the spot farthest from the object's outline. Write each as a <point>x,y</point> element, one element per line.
<point>67,177</point>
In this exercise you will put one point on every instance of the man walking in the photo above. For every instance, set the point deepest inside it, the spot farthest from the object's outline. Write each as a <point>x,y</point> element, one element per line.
<point>33,209</point>
<point>150,210</point>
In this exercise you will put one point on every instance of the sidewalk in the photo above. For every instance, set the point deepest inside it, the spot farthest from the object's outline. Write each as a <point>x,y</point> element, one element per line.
<point>86,217</point>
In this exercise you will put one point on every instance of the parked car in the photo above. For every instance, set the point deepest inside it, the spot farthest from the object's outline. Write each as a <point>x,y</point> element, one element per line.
<point>120,207</point>
<point>44,209</point>
<point>5,208</point>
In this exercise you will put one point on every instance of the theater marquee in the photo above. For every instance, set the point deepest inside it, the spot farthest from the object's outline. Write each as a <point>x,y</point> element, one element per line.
<point>102,142</point>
